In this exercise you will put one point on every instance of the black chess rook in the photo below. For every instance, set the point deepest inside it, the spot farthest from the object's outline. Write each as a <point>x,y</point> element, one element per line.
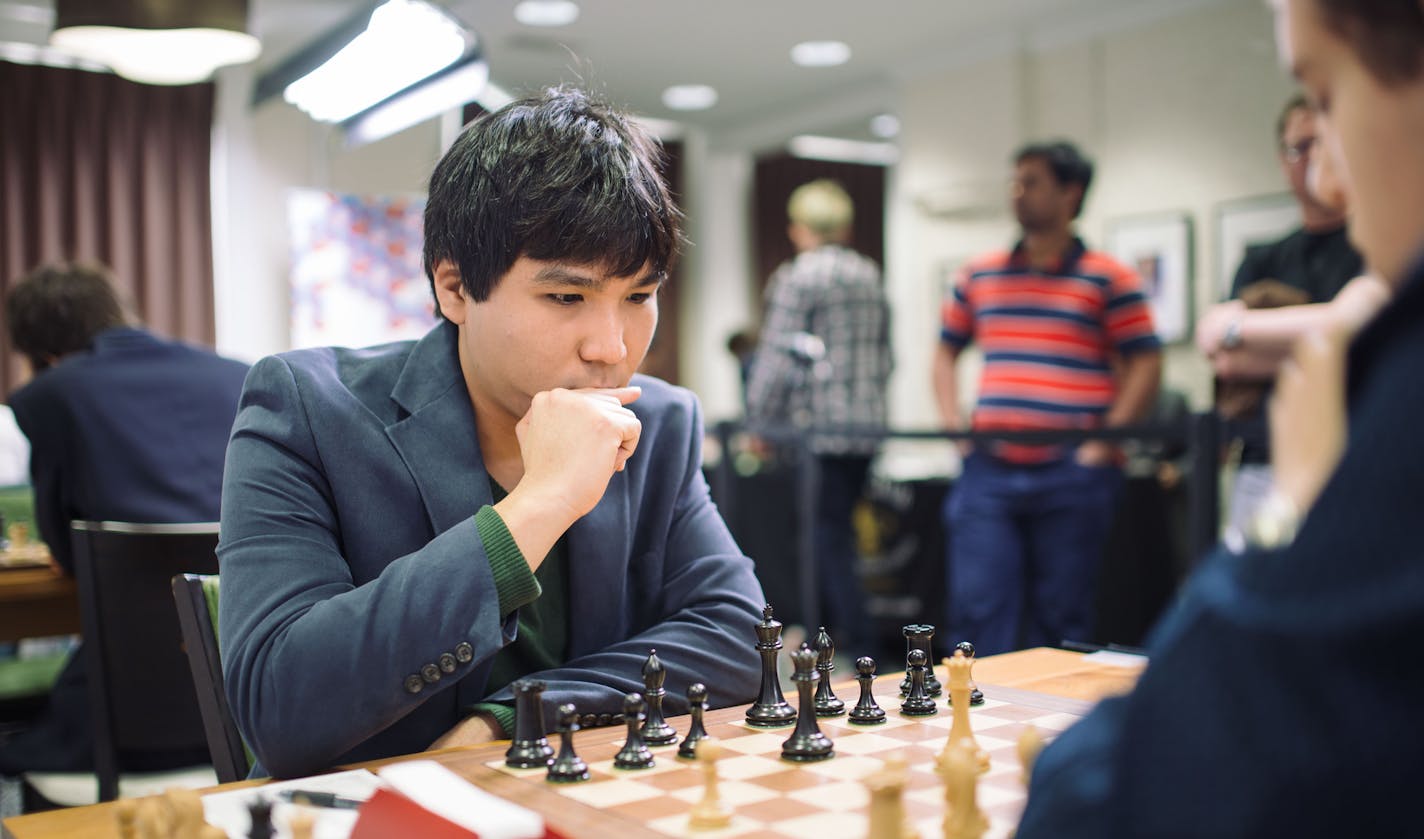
<point>919,636</point>
<point>530,748</point>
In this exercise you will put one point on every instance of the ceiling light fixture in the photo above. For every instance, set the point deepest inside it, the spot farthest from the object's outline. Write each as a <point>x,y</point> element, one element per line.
<point>156,43</point>
<point>814,147</point>
<point>885,126</point>
<point>405,42</point>
<point>546,12</point>
<point>690,97</point>
<point>820,53</point>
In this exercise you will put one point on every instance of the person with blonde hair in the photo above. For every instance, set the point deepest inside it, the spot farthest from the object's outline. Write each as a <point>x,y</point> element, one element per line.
<point>822,364</point>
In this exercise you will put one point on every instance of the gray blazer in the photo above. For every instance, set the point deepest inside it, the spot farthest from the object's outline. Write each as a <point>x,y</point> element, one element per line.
<point>351,561</point>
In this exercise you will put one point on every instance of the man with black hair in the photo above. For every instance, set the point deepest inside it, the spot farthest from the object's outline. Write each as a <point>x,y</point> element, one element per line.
<point>123,426</point>
<point>1283,693</point>
<point>408,529</point>
<point>1068,343</point>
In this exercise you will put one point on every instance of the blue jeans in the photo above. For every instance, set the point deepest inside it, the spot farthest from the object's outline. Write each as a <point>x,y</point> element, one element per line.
<point>1024,545</point>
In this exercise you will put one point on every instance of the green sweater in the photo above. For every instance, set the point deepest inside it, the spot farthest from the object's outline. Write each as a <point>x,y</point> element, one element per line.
<point>542,598</point>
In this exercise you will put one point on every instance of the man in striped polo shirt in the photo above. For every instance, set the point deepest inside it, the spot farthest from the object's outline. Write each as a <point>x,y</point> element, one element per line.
<point>1068,343</point>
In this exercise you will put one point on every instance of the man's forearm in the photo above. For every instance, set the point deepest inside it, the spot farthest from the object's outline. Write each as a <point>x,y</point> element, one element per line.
<point>946,386</point>
<point>1137,392</point>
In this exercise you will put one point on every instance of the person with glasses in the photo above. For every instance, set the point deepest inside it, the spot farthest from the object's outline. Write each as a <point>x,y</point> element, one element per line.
<point>1280,291</point>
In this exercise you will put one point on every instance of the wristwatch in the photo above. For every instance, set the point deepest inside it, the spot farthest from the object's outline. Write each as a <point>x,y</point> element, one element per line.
<point>1231,337</point>
<point>1275,522</point>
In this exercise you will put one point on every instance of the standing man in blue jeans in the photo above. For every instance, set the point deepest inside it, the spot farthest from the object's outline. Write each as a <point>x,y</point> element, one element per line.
<point>1068,343</point>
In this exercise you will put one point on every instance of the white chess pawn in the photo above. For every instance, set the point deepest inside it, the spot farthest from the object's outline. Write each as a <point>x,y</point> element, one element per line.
<point>709,813</point>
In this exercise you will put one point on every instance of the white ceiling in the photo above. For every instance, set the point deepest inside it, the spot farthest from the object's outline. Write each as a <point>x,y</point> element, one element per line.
<point>630,50</point>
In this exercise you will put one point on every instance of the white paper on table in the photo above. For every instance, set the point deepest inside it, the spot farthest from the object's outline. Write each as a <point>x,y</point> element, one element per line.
<point>1115,658</point>
<point>228,810</point>
<point>455,799</point>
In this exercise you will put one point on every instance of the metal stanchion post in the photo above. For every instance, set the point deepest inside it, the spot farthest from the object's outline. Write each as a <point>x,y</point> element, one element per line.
<point>724,476</point>
<point>1205,511</point>
<point>808,484</point>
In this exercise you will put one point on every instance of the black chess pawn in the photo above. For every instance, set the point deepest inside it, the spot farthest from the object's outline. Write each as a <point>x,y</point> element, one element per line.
<point>770,710</point>
<point>918,637</point>
<point>827,704</point>
<point>697,702</point>
<point>976,696</point>
<point>530,749</point>
<point>568,767</point>
<point>917,703</point>
<point>656,731</point>
<point>866,711</point>
<point>806,743</point>
<point>635,753</point>
<point>259,813</point>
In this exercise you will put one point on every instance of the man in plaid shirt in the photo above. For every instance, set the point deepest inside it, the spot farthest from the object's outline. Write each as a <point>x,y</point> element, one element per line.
<point>823,361</point>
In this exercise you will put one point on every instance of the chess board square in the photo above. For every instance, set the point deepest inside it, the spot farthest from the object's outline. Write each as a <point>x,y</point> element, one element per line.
<point>610,793</point>
<point>844,725</point>
<point>1012,713</point>
<point>826,826</point>
<point>661,764</point>
<point>775,810</point>
<point>732,793</point>
<point>844,767</point>
<point>789,780</point>
<point>1053,722</point>
<point>536,772</point>
<point>687,776</point>
<point>764,743</point>
<point>841,795</point>
<point>866,744</point>
<point>651,808</point>
<point>743,767</point>
<point>677,826</point>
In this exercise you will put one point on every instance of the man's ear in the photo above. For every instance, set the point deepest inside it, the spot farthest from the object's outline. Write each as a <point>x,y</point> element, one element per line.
<point>449,291</point>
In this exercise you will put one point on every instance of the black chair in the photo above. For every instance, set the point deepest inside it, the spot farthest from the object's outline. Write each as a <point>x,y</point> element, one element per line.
<point>196,596</point>
<point>145,709</point>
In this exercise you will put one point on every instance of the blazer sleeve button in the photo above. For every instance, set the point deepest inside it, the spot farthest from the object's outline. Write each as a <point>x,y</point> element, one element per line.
<point>464,653</point>
<point>414,684</point>
<point>430,673</point>
<point>447,663</point>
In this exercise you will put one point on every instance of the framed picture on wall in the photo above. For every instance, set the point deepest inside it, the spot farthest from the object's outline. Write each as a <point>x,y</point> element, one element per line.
<point>1249,221</point>
<point>1159,248</point>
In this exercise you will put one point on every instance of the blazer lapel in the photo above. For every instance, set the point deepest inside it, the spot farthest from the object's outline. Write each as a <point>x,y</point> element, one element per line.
<point>599,544</point>
<point>437,440</point>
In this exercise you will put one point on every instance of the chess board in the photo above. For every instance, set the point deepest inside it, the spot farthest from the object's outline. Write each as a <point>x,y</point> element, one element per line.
<point>771,797</point>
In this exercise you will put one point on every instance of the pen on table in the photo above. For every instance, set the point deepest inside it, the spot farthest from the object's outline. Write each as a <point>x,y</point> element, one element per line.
<point>320,799</point>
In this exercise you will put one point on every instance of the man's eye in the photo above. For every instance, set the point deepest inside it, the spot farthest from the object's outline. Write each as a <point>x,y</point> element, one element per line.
<point>640,297</point>
<point>565,299</point>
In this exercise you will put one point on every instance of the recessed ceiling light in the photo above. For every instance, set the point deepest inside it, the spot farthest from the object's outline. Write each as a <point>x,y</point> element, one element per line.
<point>820,53</point>
<point>690,97</point>
<point>885,126</point>
<point>546,12</point>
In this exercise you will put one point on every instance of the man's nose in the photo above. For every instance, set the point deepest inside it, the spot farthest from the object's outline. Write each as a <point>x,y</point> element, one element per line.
<point>603,339</point>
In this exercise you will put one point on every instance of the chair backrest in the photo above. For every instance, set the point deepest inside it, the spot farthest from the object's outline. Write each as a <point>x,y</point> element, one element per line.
<point>140,686</point>
<point>196,596</point>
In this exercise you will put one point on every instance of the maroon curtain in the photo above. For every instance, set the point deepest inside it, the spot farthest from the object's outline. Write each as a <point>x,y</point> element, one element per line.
<point>96,167</point>
<point>775,179</point>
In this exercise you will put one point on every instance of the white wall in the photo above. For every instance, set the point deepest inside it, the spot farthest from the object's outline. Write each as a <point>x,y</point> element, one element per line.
<point>1178,115</point>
